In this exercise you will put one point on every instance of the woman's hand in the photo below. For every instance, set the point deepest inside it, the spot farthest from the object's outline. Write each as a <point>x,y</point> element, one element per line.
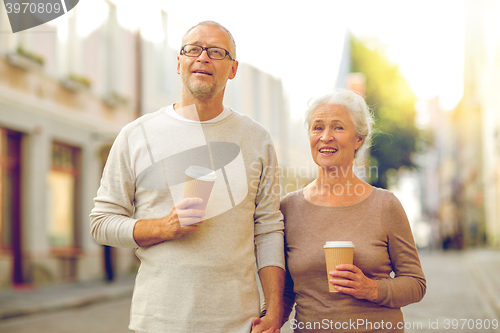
<point>260,324</point>
<point>357,284</point>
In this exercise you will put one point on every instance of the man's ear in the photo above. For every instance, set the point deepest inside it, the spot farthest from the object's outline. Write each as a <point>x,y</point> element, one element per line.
<point>179,65</point>
<point>234,69</point>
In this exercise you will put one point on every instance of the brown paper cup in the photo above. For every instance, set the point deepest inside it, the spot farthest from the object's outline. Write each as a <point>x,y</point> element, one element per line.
<point>337,253</point>
<point>194,188</point>
<point>200,187</point>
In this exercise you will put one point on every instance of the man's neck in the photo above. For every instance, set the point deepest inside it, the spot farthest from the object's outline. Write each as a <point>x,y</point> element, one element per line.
<point>197,110</point>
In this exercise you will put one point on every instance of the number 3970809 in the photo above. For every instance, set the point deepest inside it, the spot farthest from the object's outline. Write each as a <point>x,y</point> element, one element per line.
<point>470,324</point>
<point>30,7</point>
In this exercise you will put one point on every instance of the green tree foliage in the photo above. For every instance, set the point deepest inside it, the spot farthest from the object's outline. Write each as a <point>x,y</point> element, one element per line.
<point>392,101</point>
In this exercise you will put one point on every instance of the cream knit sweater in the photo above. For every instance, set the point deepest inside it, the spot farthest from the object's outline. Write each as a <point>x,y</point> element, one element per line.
<point>205,281</point>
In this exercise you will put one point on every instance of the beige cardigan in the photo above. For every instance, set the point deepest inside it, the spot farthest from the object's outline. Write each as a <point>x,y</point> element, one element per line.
<point>383,242</point>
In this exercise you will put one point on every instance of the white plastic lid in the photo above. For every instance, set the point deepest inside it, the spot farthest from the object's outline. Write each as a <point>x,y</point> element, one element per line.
<point>338,244</point>
<point>201,173</point>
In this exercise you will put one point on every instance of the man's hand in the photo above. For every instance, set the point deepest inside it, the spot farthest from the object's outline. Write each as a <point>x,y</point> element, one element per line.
<point>265,325</point>
<point>150,232</point>
<point>272,279</point>
<point>184,215</point>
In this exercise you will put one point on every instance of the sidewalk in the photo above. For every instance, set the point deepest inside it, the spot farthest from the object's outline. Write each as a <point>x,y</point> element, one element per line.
<point>463,292</point>
<point>484,266</point>
<point>16,303</point>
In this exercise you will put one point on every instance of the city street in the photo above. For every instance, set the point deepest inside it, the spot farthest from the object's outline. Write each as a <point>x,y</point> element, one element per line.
<point>457,298</point>
<point>110,317</point>
<point>463,293</point>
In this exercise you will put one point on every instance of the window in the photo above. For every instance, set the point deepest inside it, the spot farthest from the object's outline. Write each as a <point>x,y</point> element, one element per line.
<point>94,41</point>
<point>164,61</point>
<point>62,196</point>
<point>111,45</point>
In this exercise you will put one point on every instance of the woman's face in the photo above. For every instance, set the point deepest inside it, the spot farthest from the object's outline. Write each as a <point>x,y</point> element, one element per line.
<point>332,137</point>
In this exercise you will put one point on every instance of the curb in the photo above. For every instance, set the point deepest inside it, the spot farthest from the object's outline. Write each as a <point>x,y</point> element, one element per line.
<point>58,299</point>
<point>16,313</point>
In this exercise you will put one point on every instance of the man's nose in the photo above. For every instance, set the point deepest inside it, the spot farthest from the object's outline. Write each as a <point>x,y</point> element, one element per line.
<point>203,56</point>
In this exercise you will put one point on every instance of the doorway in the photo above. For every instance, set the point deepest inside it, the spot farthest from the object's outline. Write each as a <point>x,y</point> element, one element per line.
<point>10,208</point>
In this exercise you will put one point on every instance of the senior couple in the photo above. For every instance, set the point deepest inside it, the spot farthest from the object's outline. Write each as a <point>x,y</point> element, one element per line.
<point>200,277</point>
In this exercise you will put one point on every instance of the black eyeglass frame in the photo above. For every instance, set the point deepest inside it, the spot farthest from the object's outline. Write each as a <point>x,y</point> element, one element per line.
<point>206,49</point>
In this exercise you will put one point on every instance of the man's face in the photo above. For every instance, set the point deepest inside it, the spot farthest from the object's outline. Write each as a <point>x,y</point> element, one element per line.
<point>202,77</point>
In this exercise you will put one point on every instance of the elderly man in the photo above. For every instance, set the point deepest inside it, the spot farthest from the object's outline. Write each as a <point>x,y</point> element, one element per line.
<point>197,276</point>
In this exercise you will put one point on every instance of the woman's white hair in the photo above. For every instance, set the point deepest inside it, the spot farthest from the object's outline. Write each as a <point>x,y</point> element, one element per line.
<point>357,108</point>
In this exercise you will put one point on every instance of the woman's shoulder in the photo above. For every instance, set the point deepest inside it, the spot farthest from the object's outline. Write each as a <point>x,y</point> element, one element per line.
<point>388,202</point>
<point>293,207</point>
<point>291,196</point>
<point>384,195</point>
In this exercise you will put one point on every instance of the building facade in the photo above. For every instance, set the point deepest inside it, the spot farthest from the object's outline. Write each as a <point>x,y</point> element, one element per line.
<point>63,98</point>
<point>482,79</point>
<point>462,168</point>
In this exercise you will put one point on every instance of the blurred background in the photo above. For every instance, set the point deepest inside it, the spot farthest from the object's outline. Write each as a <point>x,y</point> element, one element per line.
<point>430,71</point>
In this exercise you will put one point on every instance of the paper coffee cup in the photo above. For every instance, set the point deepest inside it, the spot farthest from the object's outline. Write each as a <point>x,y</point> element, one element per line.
<point>198,184</point>
<point>337,253</point>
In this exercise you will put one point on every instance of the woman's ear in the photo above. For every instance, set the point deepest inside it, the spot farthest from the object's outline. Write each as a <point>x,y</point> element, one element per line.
<point>359,142</point>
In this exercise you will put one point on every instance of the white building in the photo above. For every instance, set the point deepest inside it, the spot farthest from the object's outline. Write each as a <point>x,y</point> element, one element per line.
<point>463,167</point>
<point>482,82</point>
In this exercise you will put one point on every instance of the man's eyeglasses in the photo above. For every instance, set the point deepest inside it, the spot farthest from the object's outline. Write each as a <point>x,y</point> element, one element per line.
<point>215,53</point>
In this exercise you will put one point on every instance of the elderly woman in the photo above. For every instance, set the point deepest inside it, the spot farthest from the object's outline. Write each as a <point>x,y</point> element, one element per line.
<point>338,206</point>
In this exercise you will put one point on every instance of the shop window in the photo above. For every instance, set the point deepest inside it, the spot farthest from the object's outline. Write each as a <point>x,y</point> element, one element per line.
<point>62,196</point>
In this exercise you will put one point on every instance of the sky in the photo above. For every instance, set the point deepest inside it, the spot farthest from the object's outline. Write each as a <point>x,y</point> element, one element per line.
<point>301,42</point>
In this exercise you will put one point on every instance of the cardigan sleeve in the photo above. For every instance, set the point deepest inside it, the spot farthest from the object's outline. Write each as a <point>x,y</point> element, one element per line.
<point>409,284</point>
<point>288,297</point>
<point>288,293</point>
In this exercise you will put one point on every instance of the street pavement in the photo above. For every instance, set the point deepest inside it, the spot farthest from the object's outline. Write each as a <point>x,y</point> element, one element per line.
<point>110,316</point>
<point>25,302</point>
<point>463,295</point>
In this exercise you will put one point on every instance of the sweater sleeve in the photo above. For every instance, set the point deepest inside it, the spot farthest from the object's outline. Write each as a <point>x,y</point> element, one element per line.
<point>111,221</point>
<point>268,228</point>
<point>409,284</point>
<point>288,297</point>
<point>288,293</point>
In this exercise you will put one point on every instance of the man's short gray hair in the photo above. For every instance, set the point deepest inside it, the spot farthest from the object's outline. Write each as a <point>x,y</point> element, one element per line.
<point>357,108</point>
<point>215,24</point>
